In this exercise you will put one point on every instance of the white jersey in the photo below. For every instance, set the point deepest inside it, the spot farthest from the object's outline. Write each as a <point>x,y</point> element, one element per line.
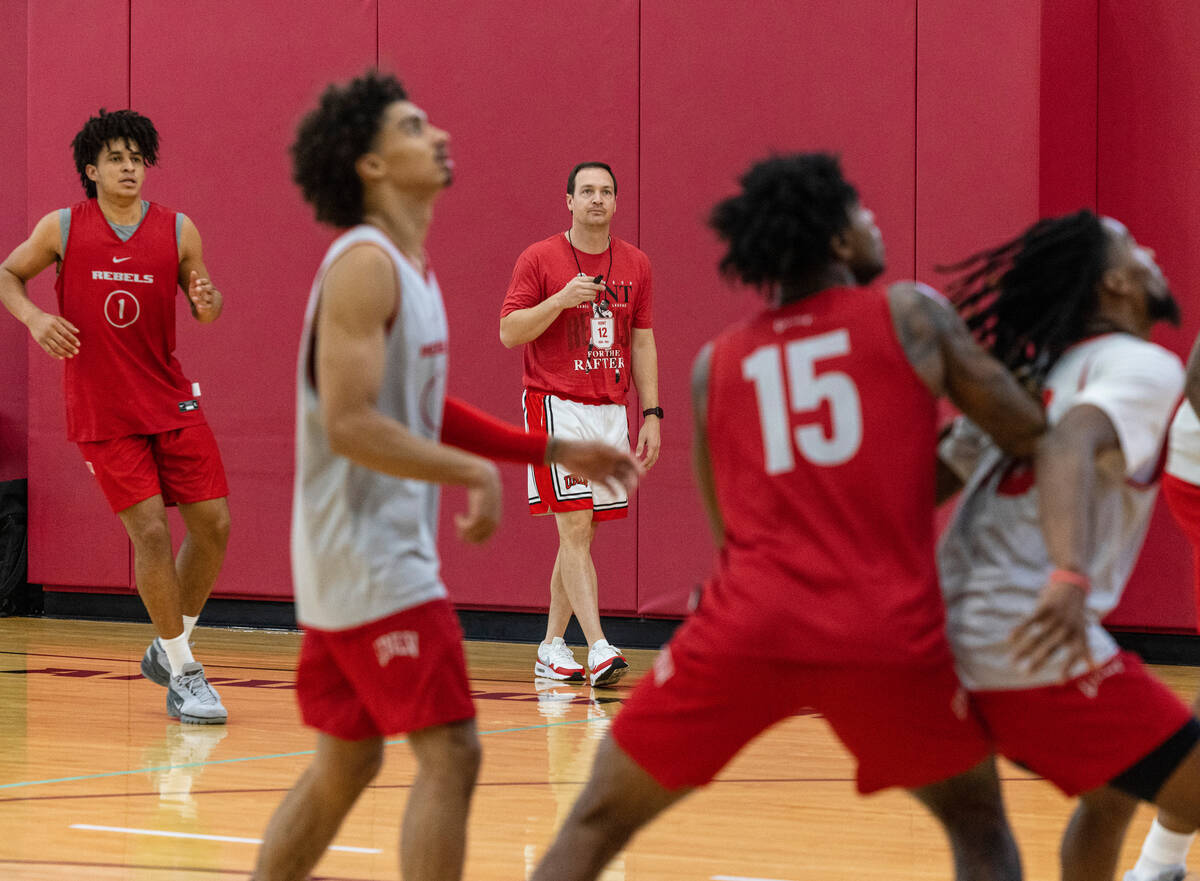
<point>1183,449</point>
<point>992,559</point>
<point>364,544</point>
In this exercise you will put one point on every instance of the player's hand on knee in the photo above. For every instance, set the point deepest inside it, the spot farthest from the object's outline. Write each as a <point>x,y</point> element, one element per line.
<point>479,521</point>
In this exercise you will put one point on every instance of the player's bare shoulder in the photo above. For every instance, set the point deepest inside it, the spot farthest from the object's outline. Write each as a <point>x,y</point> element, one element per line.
<point>363,280</point>
<point>41,249</point>
<point>924,320</point>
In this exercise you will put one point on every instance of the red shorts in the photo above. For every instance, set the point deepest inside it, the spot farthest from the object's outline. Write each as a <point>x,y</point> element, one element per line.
<point>552,489</point>
<point>1183,499</point>
<point>702,703</point>
<point>401,673</point>
<point>184,465</point>
<point>1083,733</point>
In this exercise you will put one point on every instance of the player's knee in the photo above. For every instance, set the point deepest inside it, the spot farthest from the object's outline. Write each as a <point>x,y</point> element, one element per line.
<point>214,529</point>
<point>361,768</point>
<point>149,534</point>
<point>465,756</point>
<point>454,758</point>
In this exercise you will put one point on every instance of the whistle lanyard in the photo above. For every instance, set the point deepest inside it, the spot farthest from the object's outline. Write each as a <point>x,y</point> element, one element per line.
<point>575,254</point>
<point>587,365</point>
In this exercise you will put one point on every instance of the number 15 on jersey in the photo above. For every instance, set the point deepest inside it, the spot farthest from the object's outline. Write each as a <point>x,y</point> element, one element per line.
<point>786,382</point>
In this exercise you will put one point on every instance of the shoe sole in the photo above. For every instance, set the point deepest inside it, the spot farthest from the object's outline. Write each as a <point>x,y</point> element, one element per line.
<point>541,671</point>
<point>200,720</point>
<point>153,671</point>
<point>611,674</point>
<point>196,720</point>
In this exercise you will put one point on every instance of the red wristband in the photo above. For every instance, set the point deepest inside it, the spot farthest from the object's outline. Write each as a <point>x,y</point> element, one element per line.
<point>1078,579</point>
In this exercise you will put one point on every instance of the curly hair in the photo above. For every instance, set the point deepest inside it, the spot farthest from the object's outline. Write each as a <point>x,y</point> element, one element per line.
<point>332,137</point>
<point>1028,299</point>
<point>120,125</point>
<point>778,228</point>
<point>581,166</point>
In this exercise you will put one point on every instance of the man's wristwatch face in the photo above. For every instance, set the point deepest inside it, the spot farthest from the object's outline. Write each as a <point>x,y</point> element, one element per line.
<point>653,411</point>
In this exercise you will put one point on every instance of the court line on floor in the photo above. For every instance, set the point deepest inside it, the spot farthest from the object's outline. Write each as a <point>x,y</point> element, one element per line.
<point>740,878</point>
<point>158,833</point>
<point>306,752</point>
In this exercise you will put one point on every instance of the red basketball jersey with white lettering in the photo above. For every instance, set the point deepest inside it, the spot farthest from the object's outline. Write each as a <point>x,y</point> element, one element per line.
<point>822,439</point>
<point>121,295</point>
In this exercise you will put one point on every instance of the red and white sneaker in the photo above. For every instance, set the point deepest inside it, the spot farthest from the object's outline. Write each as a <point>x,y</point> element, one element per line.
<point>606,664</point>
<point>555,661</point>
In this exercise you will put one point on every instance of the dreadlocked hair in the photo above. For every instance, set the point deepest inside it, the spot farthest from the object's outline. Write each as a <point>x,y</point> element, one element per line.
<point>1030,298</point>
<point>778,228</point>
<point>128,126</point>
<point>332,137</point>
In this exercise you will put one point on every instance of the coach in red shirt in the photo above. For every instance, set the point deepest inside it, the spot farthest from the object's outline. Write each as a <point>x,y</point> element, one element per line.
<point>581,303</point>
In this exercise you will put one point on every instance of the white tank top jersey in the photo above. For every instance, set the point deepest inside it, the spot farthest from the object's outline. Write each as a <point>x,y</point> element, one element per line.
<point>1183,451</point>
<point>364,544</point>
<point>992,559</point>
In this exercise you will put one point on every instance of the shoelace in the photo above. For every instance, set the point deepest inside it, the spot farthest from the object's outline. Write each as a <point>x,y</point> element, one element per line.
<point>561,655</point>
<point>198,687</point>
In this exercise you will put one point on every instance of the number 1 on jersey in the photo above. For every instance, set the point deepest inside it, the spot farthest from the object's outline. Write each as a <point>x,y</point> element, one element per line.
<point>808,388</point>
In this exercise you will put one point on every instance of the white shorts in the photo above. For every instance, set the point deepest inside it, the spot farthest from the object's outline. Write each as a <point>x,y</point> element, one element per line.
<point>551,488</point>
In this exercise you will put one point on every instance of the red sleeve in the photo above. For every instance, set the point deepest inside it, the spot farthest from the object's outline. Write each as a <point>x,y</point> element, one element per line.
<point>525,286</point>
<point>470,429</point>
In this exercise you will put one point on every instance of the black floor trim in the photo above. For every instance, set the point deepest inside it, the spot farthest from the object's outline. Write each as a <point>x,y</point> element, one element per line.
<point>1154,647</point>
<point>477,624</point>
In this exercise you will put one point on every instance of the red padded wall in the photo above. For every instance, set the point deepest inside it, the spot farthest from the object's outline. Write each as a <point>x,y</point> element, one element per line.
<point>226,101</point>
<point>720,90</point>
<point>976,127</point>
<point>1068,106</point>
<point>522,105</point>
<point>1149,137</point>
<point>14,359</point>
<point>958,130</point>
<point>77,64</point>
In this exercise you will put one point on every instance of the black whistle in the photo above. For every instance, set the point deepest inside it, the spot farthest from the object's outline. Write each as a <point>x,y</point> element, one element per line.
<point>598,279</point>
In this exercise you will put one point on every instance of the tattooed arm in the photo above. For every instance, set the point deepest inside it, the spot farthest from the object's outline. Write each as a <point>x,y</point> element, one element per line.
<point>949,361</point>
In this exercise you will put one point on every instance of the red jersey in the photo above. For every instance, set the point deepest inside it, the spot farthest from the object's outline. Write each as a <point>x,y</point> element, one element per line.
<point>584,354</point>
<point>823,442</point>
<point>121,295</point>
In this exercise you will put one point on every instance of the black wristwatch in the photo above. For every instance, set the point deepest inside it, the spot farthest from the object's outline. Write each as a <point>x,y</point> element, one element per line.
<point>653,411</point>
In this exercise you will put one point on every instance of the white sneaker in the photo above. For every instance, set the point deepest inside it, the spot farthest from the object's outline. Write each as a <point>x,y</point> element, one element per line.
<point>191,699</point>
<point>606,664</point>
<point>555,661</point>
<point>1174,873</point>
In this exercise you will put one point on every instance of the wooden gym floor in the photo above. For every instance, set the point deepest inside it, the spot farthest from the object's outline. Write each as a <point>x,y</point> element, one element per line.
<point>96,782</point>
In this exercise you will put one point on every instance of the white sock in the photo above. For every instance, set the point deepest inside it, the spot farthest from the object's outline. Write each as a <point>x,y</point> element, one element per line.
<point>1162,850</point>
<point>189,624</point>
<point>178,652</point>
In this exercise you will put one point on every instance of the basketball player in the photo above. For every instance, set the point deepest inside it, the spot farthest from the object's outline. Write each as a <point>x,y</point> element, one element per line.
<point>1165,849</point>
<point>375,436</point>
<point>581,303</point>
<point>1029,568</point>
<point>134,415</point>
<point>813,419</point>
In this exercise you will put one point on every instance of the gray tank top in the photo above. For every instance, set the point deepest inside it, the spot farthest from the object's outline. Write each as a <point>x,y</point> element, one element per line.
<point>364,544</point>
